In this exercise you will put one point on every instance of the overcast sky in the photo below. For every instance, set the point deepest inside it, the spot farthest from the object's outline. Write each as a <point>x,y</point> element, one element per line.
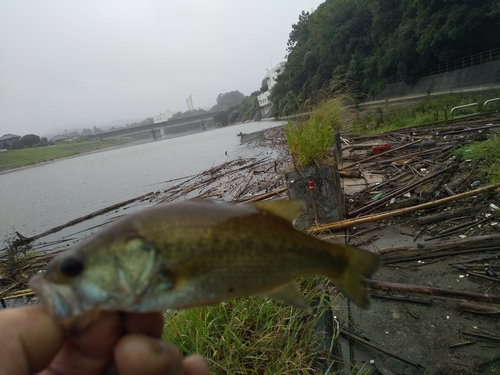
<point>68,64</point>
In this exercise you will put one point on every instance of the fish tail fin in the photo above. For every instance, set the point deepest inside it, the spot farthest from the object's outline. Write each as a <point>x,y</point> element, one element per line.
<point>360,264</point>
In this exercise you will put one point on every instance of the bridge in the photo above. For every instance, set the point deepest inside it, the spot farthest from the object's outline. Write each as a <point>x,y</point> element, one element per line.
<point>162,128</point>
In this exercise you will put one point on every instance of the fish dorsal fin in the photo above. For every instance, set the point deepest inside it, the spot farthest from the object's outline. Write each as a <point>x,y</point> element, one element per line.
<point>290,294</point>
<point>286,209</point>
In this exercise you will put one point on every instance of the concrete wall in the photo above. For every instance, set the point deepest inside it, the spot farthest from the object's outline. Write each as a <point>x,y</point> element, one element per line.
<point>483,75</point>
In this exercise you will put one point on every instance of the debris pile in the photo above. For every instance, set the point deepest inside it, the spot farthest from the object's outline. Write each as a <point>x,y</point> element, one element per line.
<point>433,218</point>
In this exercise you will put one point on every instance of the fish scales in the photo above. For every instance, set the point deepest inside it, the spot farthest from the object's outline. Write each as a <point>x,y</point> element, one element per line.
<point>196,253</point>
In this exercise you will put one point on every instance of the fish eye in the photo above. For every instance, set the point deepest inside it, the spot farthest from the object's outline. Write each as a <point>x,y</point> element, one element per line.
<point>71,267</point>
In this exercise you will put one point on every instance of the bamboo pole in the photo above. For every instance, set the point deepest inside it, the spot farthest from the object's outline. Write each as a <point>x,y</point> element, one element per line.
<point>370,218</point>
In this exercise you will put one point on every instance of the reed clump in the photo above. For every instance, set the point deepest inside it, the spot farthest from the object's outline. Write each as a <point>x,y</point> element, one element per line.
<point>309,141</point>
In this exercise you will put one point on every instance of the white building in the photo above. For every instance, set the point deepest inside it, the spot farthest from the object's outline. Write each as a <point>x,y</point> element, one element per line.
<point>162,117</point>
<point>264,102</point>
<point>189,102</point>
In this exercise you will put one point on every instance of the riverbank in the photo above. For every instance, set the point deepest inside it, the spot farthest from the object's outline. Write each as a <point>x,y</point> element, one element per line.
<point>13,160</point>
<point>441,250</point>
<point>19,159</point>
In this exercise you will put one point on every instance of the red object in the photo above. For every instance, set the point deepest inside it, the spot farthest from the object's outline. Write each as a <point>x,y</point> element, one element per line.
<point>310,184</point>
<point>381,148</point>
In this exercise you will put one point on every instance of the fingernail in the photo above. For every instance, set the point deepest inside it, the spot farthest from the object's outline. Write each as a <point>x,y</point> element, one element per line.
<point>159,346</point>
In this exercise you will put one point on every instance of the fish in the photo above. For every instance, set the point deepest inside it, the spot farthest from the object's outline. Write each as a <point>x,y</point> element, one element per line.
<point>195,253</point>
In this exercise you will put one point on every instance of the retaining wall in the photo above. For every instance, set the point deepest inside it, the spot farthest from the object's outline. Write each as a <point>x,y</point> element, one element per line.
<point>484,75</point>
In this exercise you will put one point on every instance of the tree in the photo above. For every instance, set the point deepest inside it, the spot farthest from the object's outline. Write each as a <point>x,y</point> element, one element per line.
<point>16,144</point>
<point>86,131</point>
<point>221,118</point>
<point>29,140</point>
<point>371,41</point>
<point>229,99</point>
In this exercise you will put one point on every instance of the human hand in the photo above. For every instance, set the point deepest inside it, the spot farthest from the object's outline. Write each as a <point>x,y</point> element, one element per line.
<point>31,342</point>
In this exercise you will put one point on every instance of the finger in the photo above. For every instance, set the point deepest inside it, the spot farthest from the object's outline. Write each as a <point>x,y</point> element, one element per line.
<point>140,354</point>
<point>30,339</point>
<point>196,365</point>
<point>149,324</point>
<point>92,350</point>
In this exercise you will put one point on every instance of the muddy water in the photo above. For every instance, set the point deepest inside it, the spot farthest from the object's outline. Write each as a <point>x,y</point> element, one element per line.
<point>35,199</point>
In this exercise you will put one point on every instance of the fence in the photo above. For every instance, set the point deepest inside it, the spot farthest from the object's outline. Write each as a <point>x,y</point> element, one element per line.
<point>449,66</point>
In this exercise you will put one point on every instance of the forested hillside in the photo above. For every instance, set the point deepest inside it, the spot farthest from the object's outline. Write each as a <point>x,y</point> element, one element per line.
<point>370,41</point>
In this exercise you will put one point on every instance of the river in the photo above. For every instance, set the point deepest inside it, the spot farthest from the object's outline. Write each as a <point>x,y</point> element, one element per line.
<point>41,197</point>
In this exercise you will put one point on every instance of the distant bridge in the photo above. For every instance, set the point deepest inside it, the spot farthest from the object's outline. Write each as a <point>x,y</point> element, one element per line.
<point>162,128</point>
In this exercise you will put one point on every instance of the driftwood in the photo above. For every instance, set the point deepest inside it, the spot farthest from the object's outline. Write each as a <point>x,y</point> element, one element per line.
<point>367,219</point>
<point>86,217</point>
<point>423,255</point>
<point>264,196</point>
<point>396,193</point>
<point>445,215</point>
<point>479,308</point>
<point>474,244</point>
<point>438,292</point>
<point>447,232</point>
<point>379,155</point>
<point>481,335</point>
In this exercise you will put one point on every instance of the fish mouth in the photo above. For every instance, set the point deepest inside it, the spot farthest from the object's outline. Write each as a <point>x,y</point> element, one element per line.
<point>58,299</point>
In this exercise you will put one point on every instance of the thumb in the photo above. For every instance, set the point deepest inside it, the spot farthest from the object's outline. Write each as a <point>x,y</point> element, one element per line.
<point>141,354</point>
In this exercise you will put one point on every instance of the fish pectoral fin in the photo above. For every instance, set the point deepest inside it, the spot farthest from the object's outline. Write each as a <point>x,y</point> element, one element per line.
<point>290,294</point>
<point>286,209</point>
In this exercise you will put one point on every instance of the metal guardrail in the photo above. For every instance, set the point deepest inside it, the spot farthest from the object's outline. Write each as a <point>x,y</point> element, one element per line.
<point>462,106</point>
<point>490,101</point>
<point>473,104</point>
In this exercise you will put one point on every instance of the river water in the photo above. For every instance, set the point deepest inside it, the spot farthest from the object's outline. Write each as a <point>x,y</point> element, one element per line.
<point>41,197</point>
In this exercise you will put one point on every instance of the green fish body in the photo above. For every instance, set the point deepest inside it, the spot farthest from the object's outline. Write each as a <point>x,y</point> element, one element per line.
<point>197,253</point>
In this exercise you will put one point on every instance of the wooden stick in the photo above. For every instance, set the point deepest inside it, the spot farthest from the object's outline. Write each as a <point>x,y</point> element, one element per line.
<point>438,292</point>
<point>381,154</point>
<point>367,343</point>
<point>264,196</point>
<point>367,219</point>
<point>451,346</point>
<point>86,217</point>
<point>487,337</point>
<point>433,254</point>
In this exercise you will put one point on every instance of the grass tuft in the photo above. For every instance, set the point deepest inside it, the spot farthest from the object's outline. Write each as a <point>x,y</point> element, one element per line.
<point>250,335</point>
<point>310,141</point>
<point>487,154</point>
<point>15,261</point>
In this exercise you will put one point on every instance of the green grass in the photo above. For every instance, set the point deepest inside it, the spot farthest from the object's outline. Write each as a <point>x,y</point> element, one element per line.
<point>487,156</point>
<point>15,260</point>
<point>309,141</point>
<point>252,335</point>
<point>425,111</point>
<point>28,156</point>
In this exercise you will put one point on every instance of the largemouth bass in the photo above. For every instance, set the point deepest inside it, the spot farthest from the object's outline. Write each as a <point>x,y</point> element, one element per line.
<point>196,253</point>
